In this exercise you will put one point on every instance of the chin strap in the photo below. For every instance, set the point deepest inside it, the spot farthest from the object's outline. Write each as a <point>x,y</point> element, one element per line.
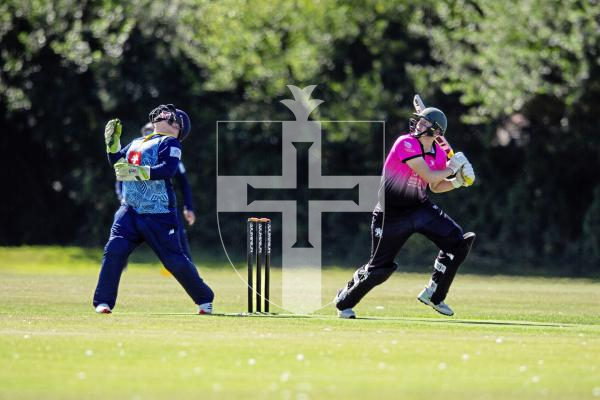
<point>150,136</point>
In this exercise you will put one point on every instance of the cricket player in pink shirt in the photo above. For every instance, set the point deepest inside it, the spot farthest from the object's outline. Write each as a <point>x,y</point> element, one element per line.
<point>415,163</point>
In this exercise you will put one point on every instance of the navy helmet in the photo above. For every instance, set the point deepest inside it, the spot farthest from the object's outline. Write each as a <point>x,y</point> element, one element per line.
<point>184,122</point>
<point>168,112</point>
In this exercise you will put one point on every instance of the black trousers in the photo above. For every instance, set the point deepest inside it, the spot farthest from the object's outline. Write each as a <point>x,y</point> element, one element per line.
<point>389,233</point>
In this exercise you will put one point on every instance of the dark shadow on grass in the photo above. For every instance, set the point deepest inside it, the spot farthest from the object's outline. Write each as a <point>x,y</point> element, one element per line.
<point>389,319</point>
<point>240,315</point>
<point>263,315</point>
<point>476,322</point>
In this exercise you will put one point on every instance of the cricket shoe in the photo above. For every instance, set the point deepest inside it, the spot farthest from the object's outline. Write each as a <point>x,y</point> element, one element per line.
<point>347,313</point>
<point>103,309</point>
<point>205,309</point>
<point>441,307</point>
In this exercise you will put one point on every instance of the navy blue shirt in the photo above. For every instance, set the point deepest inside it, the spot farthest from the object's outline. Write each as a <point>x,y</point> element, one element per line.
<point>162,154</point>
<point>182,181</point>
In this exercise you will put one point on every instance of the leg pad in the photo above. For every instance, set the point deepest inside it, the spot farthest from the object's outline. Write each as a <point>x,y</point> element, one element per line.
<point>446,265</point>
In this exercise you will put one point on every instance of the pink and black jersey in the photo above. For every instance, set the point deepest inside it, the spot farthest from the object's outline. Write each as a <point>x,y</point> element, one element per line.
<point>403,188</point>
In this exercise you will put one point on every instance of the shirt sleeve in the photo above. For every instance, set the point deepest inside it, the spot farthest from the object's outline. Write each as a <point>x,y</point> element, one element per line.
<point>114,157</point>
<point>408,148</point>
<point>169,155</point>
<point>184,184</point>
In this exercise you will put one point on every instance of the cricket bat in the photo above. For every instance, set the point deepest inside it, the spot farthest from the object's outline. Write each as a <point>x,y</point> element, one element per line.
<point>441,140</point>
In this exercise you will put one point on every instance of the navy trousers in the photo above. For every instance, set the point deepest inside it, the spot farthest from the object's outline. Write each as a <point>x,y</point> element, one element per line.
<point>185,244</point>
<point>161,232</point>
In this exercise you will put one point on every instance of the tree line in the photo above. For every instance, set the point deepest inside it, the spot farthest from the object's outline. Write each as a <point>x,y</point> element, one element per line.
<point>519,82</point>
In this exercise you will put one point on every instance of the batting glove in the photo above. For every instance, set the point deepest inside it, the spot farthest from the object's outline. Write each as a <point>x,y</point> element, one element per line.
<point>112,135</point>
<point>468,174</point>
<point>129,172</point>
<point>457,161</point>
<point>458,181</point>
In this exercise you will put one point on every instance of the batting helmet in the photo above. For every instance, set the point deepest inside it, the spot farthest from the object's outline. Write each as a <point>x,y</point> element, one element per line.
<point>436,117</point>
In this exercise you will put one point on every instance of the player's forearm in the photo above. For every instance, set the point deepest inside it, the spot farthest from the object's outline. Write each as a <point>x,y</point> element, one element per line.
<point>116,156</point>
<point>186,190</point>
<point>435,177</point>
<point>442,186</point>
<point>431,176</point>
<point>187,203</point>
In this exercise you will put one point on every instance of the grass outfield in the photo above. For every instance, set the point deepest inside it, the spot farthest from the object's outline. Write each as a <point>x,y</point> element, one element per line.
<point>511,338</point>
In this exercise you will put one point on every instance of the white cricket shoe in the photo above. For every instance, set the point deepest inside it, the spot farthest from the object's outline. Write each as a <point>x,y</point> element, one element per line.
<point>443,308</point>
<point>103,309</point>
<point>205,309</point>
<point>347,313</point>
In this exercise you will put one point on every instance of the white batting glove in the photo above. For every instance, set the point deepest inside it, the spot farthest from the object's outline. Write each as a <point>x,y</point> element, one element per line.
<point>457,161</point>
<point>458,181</point>
<point>468,174</point>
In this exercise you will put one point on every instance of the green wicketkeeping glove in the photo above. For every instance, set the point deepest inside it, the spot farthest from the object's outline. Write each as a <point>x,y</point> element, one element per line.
<point>129,172</point>
<point>112,135</point>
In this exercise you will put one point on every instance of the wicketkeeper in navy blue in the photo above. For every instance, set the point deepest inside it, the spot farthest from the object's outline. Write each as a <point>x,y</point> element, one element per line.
<point>187,213</point>
<point>148,212</point>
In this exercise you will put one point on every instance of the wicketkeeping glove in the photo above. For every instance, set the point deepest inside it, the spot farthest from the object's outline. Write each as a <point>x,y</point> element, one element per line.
<point>129,172</point>
<point>112,135</point>
<point>468,174</point>
<point>457,161</point>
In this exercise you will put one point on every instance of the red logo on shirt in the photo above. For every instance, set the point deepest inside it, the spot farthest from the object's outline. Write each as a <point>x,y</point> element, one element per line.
<point>135,157</point>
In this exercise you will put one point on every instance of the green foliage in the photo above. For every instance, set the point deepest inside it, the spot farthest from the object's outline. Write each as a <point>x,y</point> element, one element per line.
<point>68,67</point>
<point>498,55</point>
